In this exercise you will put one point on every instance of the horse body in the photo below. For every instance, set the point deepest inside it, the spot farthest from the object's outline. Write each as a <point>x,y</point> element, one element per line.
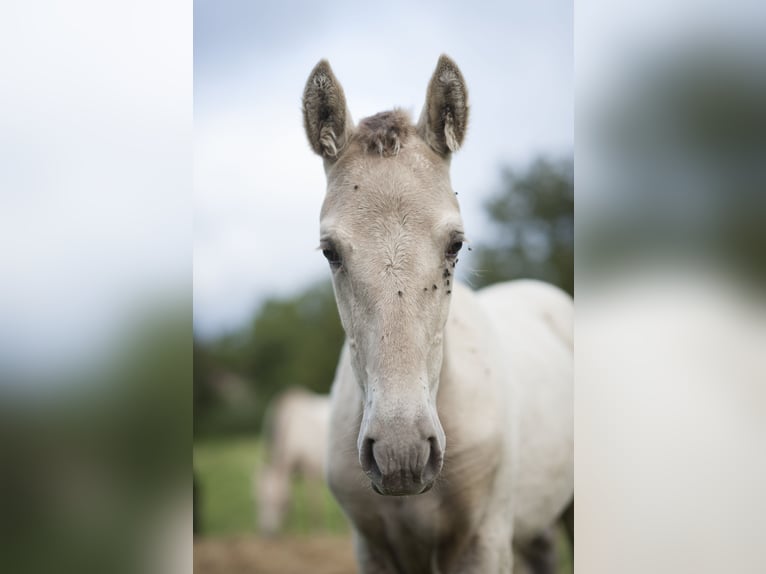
<point>534,322</point>
<point>296,435</point>
<point>451,423</point>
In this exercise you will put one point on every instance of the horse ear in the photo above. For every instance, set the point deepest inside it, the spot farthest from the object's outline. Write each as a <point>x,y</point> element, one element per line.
<point>444,119</point>
<point>326,119</point>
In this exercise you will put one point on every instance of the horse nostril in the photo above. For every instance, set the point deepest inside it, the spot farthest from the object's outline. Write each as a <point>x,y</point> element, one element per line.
<point>367,459</point>
<point>435,459</point>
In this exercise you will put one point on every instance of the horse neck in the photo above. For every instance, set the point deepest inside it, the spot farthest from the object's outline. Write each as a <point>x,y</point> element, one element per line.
<point>449,379</point>
<point>471,381</point>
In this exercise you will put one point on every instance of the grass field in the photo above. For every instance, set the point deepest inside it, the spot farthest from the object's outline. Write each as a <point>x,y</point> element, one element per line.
<point>224,469</point>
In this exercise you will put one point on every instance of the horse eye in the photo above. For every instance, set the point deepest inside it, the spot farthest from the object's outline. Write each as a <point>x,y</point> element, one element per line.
<point>453,249</point>
<point>332,256</point>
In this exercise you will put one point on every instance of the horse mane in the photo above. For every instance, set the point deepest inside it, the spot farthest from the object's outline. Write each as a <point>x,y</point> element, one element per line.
<point>385,132</point>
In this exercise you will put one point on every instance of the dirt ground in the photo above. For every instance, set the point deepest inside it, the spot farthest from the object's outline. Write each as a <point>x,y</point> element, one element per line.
<point>323,554</point>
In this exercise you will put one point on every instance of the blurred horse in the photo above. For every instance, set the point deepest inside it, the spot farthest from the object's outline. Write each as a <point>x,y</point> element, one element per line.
<point>295,433</point>
<point>451,430</point>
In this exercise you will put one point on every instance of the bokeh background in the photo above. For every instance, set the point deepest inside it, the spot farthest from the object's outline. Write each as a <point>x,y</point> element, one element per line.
<point>265,319</point>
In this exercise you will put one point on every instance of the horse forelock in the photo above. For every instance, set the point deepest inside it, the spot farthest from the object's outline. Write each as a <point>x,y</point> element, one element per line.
<point>385,132</point>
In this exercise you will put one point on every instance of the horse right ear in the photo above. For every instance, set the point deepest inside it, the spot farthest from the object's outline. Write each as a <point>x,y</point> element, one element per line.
<point>326,119</point>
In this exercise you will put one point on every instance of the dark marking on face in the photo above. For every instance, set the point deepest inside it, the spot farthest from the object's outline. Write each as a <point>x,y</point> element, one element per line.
<point>469,249</point>
<point>456,193</point>
<point>446,273</point>
<point>399,293</point>
<point>356,187</point>
<point>447,281</point>
<point>433,287</point>
<point>449,291</point>
<point>425,288</point>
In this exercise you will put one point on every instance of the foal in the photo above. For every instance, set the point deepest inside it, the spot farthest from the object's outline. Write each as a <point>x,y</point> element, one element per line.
<point>451,417</point>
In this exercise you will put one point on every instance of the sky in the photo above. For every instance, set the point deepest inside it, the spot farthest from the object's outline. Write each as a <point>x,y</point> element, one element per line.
<point>258,187</point>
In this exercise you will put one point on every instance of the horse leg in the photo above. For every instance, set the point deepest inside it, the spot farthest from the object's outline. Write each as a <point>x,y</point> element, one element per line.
<point>538,555</point>
<point>487,551</point>
<point>315,503</point>
<point>520,565</point>
<point>568,520</point>
<point>272,495</point>
<point>372,559</point>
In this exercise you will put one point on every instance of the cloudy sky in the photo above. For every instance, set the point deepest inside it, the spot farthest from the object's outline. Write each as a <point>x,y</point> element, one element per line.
<point>258,187</point>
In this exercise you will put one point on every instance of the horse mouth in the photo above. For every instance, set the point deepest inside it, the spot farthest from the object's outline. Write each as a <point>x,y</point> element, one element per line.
<point>402,490</point>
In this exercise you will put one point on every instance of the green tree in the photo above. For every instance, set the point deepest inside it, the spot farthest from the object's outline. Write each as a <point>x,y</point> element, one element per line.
<point>296,341</point>
<point>532,227</point>
<point>291,341</point>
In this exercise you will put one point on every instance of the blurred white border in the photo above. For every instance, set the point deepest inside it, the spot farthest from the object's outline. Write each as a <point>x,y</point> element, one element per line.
<point>96,177</point>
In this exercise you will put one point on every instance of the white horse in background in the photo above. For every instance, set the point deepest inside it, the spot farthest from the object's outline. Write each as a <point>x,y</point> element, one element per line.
<point>295,433</point>
<point>451,431</point>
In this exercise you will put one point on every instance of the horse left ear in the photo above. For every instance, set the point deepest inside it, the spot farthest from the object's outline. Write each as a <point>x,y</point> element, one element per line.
<point>444,119</point>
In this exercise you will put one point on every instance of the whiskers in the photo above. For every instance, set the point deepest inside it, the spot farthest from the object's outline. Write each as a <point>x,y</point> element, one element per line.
<point>470,275</point>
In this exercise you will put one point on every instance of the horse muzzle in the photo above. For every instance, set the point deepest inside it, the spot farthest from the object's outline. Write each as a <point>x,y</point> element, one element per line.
<point>396,469</point>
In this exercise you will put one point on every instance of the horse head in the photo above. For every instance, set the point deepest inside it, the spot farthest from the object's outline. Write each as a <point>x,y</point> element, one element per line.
<point>391,230</point>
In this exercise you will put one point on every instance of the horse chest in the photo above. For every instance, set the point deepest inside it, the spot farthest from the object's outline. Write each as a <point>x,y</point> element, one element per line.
<point>418,531</point>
